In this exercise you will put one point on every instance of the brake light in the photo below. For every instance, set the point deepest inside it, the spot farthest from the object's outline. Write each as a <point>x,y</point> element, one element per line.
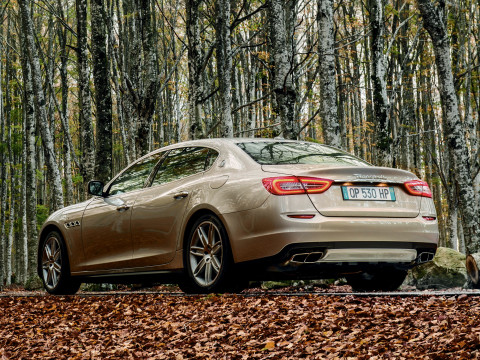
<point>294,185</point>
<point>418,188</point>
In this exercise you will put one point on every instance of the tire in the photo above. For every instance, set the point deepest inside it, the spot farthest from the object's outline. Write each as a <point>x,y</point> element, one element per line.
<point>55,267</point>
<point>207,258</point>
<point>385,279</point>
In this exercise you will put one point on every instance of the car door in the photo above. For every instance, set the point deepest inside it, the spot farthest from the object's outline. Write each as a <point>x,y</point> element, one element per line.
<point>106,229</point>
<point>159,210</point>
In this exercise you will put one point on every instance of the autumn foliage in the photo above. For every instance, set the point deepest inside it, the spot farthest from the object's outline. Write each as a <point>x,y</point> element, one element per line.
<point>313,326</point>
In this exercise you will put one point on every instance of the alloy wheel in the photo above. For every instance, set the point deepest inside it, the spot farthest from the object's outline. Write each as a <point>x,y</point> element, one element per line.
<point>206,253</point>
<point>52,262</point>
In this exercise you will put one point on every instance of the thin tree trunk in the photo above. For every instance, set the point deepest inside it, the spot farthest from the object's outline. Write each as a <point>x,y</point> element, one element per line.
<point>283,86</point>
<point>23,209</point>
<point>11,165</point>
<point>326,63</point>
<point>84,96</point>
<point>3,172</point>
<point>224,66</point>
<point>380,100</point>
<point>148,94</point>
<point>67,156</point>
<point>11,220</point>
<point>103,97</point>
<point>31,179</point>
<point>195,88</point>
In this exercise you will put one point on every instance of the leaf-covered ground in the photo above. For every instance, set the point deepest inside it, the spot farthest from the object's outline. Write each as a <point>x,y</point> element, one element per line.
<point>159,326</point>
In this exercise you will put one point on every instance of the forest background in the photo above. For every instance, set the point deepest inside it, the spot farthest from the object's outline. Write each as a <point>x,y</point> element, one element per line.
<point>87,87</point>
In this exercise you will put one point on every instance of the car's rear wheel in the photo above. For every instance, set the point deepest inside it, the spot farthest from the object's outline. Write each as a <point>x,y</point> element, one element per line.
<point>207,257</point>
<point>385,279</point>
<point>55,266</point>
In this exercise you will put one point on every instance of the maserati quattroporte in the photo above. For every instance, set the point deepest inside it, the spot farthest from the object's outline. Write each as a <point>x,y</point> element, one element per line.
<point>211,215</point>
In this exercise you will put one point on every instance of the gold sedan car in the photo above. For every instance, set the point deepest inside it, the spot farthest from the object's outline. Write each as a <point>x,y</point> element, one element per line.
<point>213,214</point>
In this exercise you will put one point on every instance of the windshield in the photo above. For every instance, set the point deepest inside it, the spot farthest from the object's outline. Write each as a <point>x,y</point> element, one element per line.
<point>283,153</point>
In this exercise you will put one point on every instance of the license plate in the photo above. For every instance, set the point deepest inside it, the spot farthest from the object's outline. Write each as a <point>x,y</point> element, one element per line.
<point>381,193</point>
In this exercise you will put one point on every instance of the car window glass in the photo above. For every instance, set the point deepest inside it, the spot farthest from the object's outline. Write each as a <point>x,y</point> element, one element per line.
<point>181,163</point>
<point>279,153</point>
<point>135,176</point>
<point>212,156</point>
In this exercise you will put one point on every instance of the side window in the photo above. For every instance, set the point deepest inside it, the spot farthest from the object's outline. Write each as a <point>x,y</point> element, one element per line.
<point>212,156</point>
<point>135,176</point>
<point>181,163</point>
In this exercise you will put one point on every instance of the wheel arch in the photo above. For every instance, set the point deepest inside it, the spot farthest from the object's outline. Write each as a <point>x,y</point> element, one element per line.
<point>194,216</point>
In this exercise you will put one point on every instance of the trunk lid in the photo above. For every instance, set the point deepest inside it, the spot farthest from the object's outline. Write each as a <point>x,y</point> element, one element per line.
<point>332,202</point>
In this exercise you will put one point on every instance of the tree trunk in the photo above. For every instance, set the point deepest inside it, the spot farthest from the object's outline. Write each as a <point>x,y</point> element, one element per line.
<point>326,63</point>
<point>224,66</point>
<point>472,265</point>
<point>3,171</point>
<point>460,160</point>
<point>381,106</point>
<point>195,89</point>
<point>281,57</point>
<point>148,92</point>
<point>11,165</point>
<point>47,139</point>
<point>11,221</point>
<point>84,96</point>
<point>103,97</point>
<point>62,36</point>
<point>31,178</point>
<point>23,273</point>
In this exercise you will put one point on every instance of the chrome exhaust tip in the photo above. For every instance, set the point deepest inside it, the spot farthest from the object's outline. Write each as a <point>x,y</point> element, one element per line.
<point>306,258</point>
<point>425,257</point>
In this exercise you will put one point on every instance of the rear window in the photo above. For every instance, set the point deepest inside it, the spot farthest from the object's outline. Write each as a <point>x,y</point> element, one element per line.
<point>283,153</point>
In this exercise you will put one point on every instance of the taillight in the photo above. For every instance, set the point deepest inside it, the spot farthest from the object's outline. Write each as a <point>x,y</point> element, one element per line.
<point>418,188</point>
<point>293,185</point>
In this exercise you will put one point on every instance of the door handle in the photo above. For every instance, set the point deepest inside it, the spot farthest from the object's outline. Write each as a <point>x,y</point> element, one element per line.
<point>123,207</point>
<point>180,195</point>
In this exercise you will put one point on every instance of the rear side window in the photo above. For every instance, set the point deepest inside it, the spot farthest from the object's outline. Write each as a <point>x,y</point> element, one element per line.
<point>183,162</point>
<point>283,153</point>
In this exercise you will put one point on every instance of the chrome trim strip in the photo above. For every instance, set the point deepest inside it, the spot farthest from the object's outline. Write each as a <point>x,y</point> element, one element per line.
<point>369,255</point>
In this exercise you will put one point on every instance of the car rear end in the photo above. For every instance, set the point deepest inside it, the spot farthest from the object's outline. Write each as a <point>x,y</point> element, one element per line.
<point>334,215</point>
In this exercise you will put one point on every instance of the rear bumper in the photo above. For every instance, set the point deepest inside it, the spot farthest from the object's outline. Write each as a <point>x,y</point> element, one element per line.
<point>268,230</point>
<point>327,259</point>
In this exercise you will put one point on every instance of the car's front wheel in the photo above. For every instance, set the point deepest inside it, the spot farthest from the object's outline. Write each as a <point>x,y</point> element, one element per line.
<point>55,267</point>
<point>207,258</point>
<point>385,279</point>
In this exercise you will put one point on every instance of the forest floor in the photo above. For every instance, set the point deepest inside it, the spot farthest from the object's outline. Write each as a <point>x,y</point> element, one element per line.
<point>290,323</point>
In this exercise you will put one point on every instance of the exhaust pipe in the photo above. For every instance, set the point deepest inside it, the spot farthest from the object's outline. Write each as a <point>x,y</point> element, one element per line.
<point>425,257</point>
<point>306,258</point>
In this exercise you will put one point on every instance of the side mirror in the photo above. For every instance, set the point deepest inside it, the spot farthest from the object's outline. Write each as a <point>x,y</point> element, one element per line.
<point>95,188</point>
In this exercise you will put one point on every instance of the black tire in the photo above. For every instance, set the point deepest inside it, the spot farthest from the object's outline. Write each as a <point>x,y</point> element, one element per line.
<point>207,258</point>
<point>55,266</point>
<point>385,279</point>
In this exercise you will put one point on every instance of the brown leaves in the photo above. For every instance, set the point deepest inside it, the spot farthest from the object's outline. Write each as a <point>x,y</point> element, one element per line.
<point>236,327</point>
